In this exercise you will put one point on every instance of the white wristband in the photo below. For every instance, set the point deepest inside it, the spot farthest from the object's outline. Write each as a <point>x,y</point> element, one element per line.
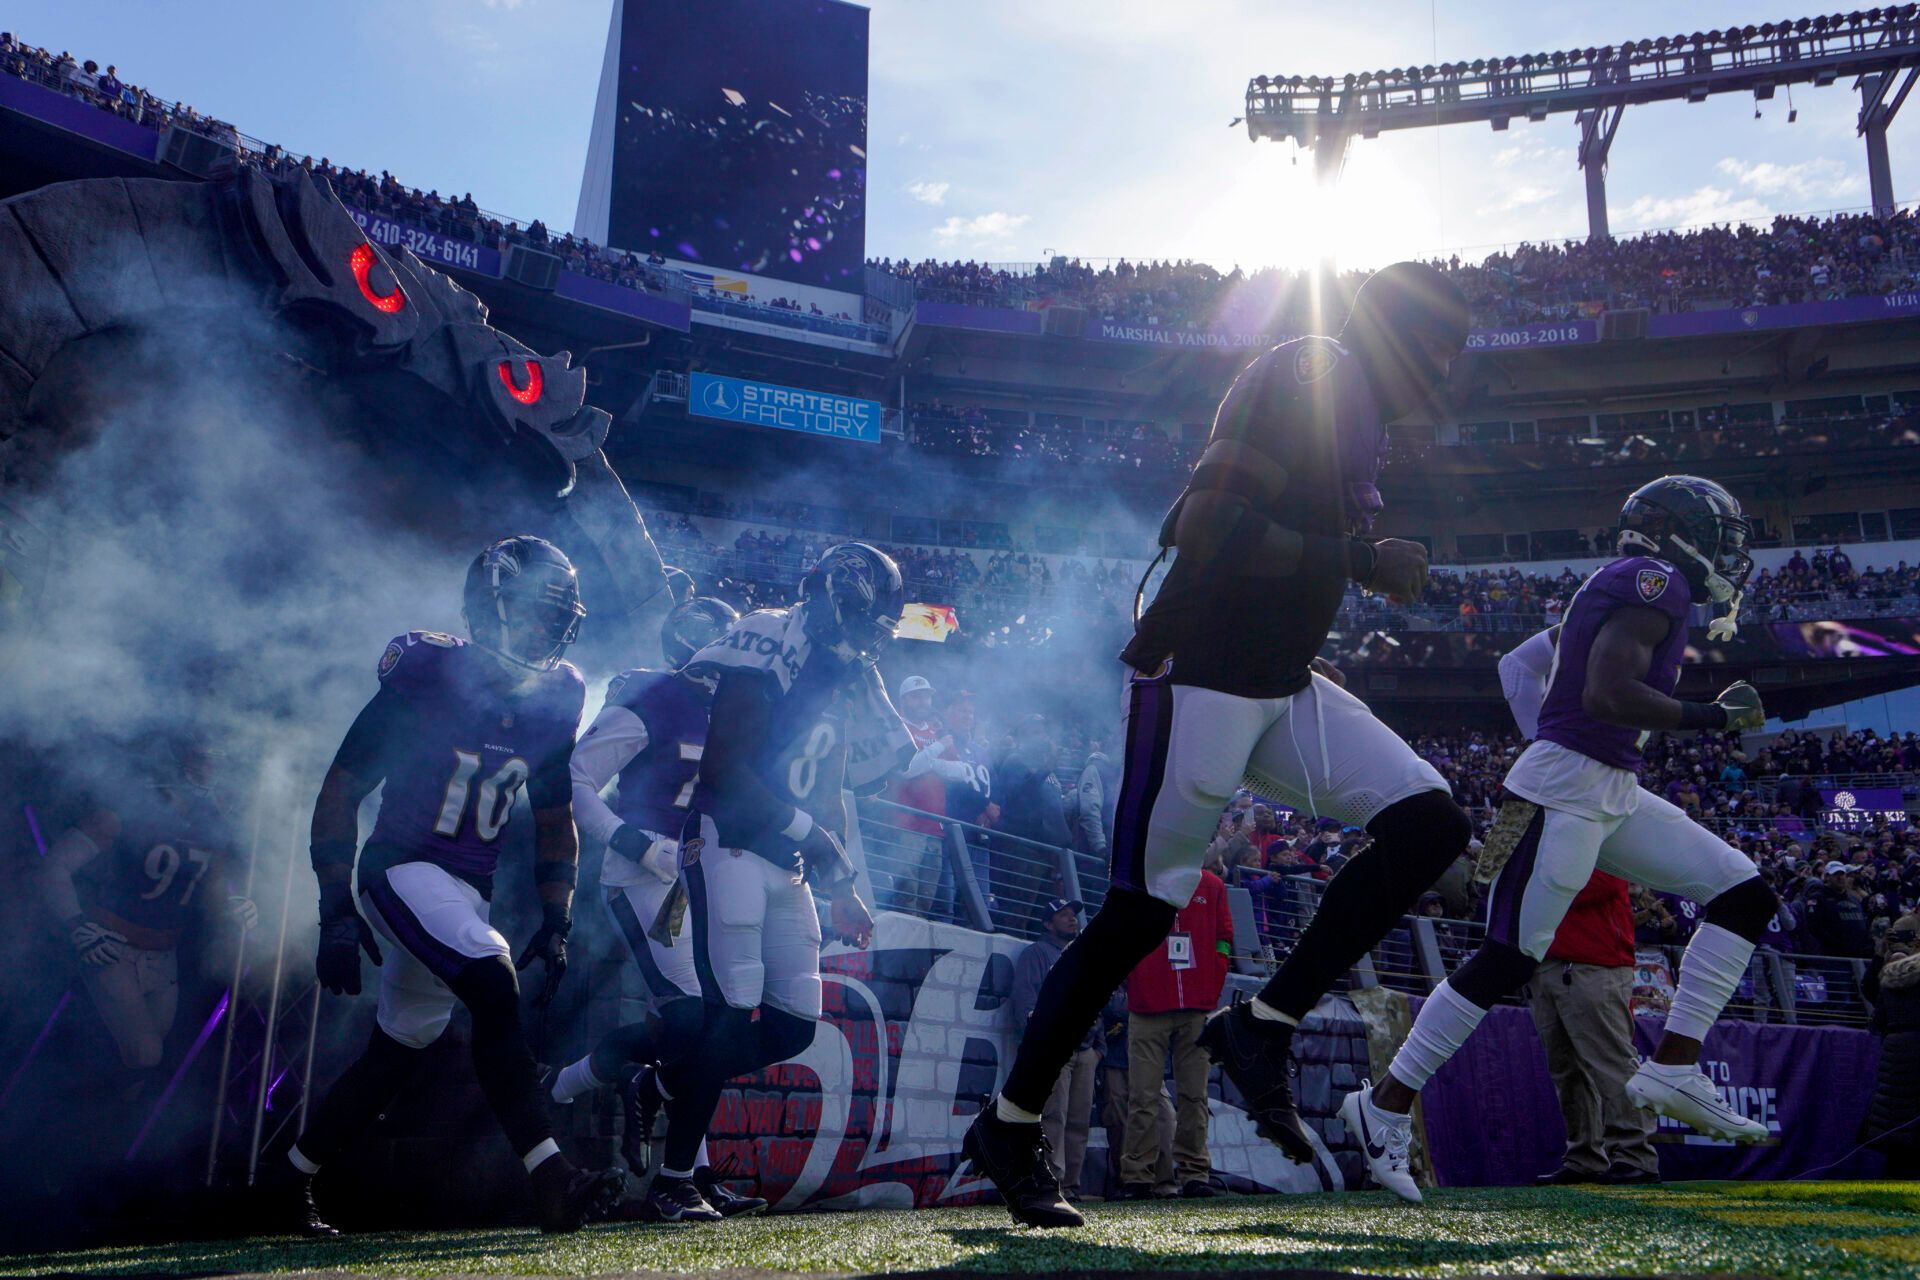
<point>800,827</point>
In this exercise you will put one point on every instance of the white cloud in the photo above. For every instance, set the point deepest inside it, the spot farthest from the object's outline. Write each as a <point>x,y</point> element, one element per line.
<point>929,192</point>
<point>1701,205</point>
<point>1520,196</point>
<point>1818,179</point>
<point>988,226</point>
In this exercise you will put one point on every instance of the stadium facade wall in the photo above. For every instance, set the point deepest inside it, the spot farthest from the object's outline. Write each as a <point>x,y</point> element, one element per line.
<point>918,1032</point>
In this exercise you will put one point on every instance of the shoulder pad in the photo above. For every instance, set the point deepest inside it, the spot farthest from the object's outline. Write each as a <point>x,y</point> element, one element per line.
<point>416,650</point>
<point>1643,580</point>
<point>1311,359</point>
<point>764,642</point>
<point>630,687</point>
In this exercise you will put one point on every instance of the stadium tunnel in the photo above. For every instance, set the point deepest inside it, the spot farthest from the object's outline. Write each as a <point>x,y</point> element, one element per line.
<point>118,286</point>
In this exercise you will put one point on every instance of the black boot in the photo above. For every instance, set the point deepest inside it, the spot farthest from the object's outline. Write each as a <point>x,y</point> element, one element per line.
<point>566,1199</point>
<point>1255,1055</point>
<point>1015,1158</point>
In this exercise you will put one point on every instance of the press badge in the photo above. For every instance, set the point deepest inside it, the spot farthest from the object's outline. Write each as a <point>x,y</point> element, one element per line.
<point>1180,950</point>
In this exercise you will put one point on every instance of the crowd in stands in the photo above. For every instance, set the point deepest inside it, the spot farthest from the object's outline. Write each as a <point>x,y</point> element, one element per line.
<point>103,87</point>
<point>1766,803</point>
<point>1796,259</point>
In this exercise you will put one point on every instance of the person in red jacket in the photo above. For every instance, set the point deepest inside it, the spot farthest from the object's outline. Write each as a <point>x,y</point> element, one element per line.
<point>1169,995</point>
<point>1582,1007</point>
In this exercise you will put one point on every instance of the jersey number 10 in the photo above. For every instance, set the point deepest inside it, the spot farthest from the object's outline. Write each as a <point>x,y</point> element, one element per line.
<point>495,802</point>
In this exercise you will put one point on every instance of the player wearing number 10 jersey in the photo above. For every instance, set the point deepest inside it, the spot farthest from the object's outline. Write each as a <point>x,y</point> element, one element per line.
<point>455,732</point>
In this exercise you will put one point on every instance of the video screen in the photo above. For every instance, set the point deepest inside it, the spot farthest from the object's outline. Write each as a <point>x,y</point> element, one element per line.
<point>741,139</point>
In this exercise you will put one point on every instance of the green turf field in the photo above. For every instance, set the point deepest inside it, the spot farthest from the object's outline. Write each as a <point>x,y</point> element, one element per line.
<point>1773,1229</point>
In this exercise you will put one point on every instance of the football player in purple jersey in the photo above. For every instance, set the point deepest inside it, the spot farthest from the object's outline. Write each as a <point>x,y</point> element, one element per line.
<point>800,715</point>
<point>1573,803</point>
<point>650,736</point>
<point>127,882</point>
<point>457,729</point>
<point>1282,501</point>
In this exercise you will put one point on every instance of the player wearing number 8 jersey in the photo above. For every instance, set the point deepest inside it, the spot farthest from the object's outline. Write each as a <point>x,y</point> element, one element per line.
<point>455,732</point>
<point>799,715</point>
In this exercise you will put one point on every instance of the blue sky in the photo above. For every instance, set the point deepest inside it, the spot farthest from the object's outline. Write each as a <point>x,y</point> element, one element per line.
<point>1005,129</point>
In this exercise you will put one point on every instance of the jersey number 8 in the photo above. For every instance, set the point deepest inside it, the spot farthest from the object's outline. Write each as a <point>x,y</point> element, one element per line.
<point>804,771</point>
<point>495,802</point>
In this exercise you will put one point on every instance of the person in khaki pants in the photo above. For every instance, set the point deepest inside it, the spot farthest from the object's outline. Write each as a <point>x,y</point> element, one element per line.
<point>1169,996</point>
<point>1582,1006</point>
<point>1069,1112</point>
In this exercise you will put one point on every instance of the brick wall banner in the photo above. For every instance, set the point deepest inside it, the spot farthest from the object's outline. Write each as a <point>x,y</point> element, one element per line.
<point>917,1032</point>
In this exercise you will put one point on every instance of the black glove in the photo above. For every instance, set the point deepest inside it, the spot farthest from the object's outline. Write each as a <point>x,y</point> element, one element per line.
<point>343,935</point>
<point>823,859</point>
<point>549,944</point>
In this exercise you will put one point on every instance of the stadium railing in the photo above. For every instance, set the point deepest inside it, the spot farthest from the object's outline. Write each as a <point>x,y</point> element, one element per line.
<point>955,872</point>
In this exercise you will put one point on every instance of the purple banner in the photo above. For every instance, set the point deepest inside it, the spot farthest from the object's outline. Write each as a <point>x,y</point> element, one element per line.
<point>75,116</point>
<point>631,302</point>
<point>1560,333</point>
<point>1857,808</point>
<point>1796,315</point>
<point>1160,335</point>
<point>435,250</point>
<point>1492,1118</point>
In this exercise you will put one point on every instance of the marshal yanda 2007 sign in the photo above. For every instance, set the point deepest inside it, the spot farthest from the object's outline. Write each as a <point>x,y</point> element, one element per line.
<point>765,404</point>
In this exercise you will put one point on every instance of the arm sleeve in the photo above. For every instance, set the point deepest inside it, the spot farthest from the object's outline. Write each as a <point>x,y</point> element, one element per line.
<point>377,736</point>
<point>1523,679</point>
<point>73,850</point>
<point>615,737</point>
<point>929,760</point>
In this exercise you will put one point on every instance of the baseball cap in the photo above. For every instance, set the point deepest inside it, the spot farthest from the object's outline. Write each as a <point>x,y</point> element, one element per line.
<point>1054,906</point>
<point>915,684</point>
<point>1835,866</point>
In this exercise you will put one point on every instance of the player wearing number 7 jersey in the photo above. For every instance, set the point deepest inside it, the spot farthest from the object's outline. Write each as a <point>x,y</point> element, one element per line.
<point>457,728</point>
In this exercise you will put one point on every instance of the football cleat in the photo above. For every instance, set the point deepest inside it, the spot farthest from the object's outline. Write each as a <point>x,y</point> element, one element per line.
<point>1386,1140</point>
<point>639,1104</point>
<point>1685,1094</point>
<point>730,1203</point>
<point>304,1213</point>
<point>1255,1056</point>
<point>1017,1160</point>
<point>679,1200</point>
<point>567,1198</point>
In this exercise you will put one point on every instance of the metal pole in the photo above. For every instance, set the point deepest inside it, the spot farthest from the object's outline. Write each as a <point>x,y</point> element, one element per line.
<point>233,987</point>
<point>306,1073</point>
<point>273,1009</point>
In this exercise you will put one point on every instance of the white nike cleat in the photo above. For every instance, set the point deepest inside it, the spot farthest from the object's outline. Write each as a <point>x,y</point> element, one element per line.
<point>1685,1094</point>
<point>1385,1140</point>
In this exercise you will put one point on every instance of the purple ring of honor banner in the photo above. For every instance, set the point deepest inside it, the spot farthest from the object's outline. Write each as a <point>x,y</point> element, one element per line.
<point>1492,1118</point>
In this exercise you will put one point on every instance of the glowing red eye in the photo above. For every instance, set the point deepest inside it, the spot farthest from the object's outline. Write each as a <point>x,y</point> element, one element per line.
<point>362,263</point>
<point>527,394</point>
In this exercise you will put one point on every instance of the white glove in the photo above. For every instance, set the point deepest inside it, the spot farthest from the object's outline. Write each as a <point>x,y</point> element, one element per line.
<point>662,858</point>
<point>98,945</point>
<point>244,912</point>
